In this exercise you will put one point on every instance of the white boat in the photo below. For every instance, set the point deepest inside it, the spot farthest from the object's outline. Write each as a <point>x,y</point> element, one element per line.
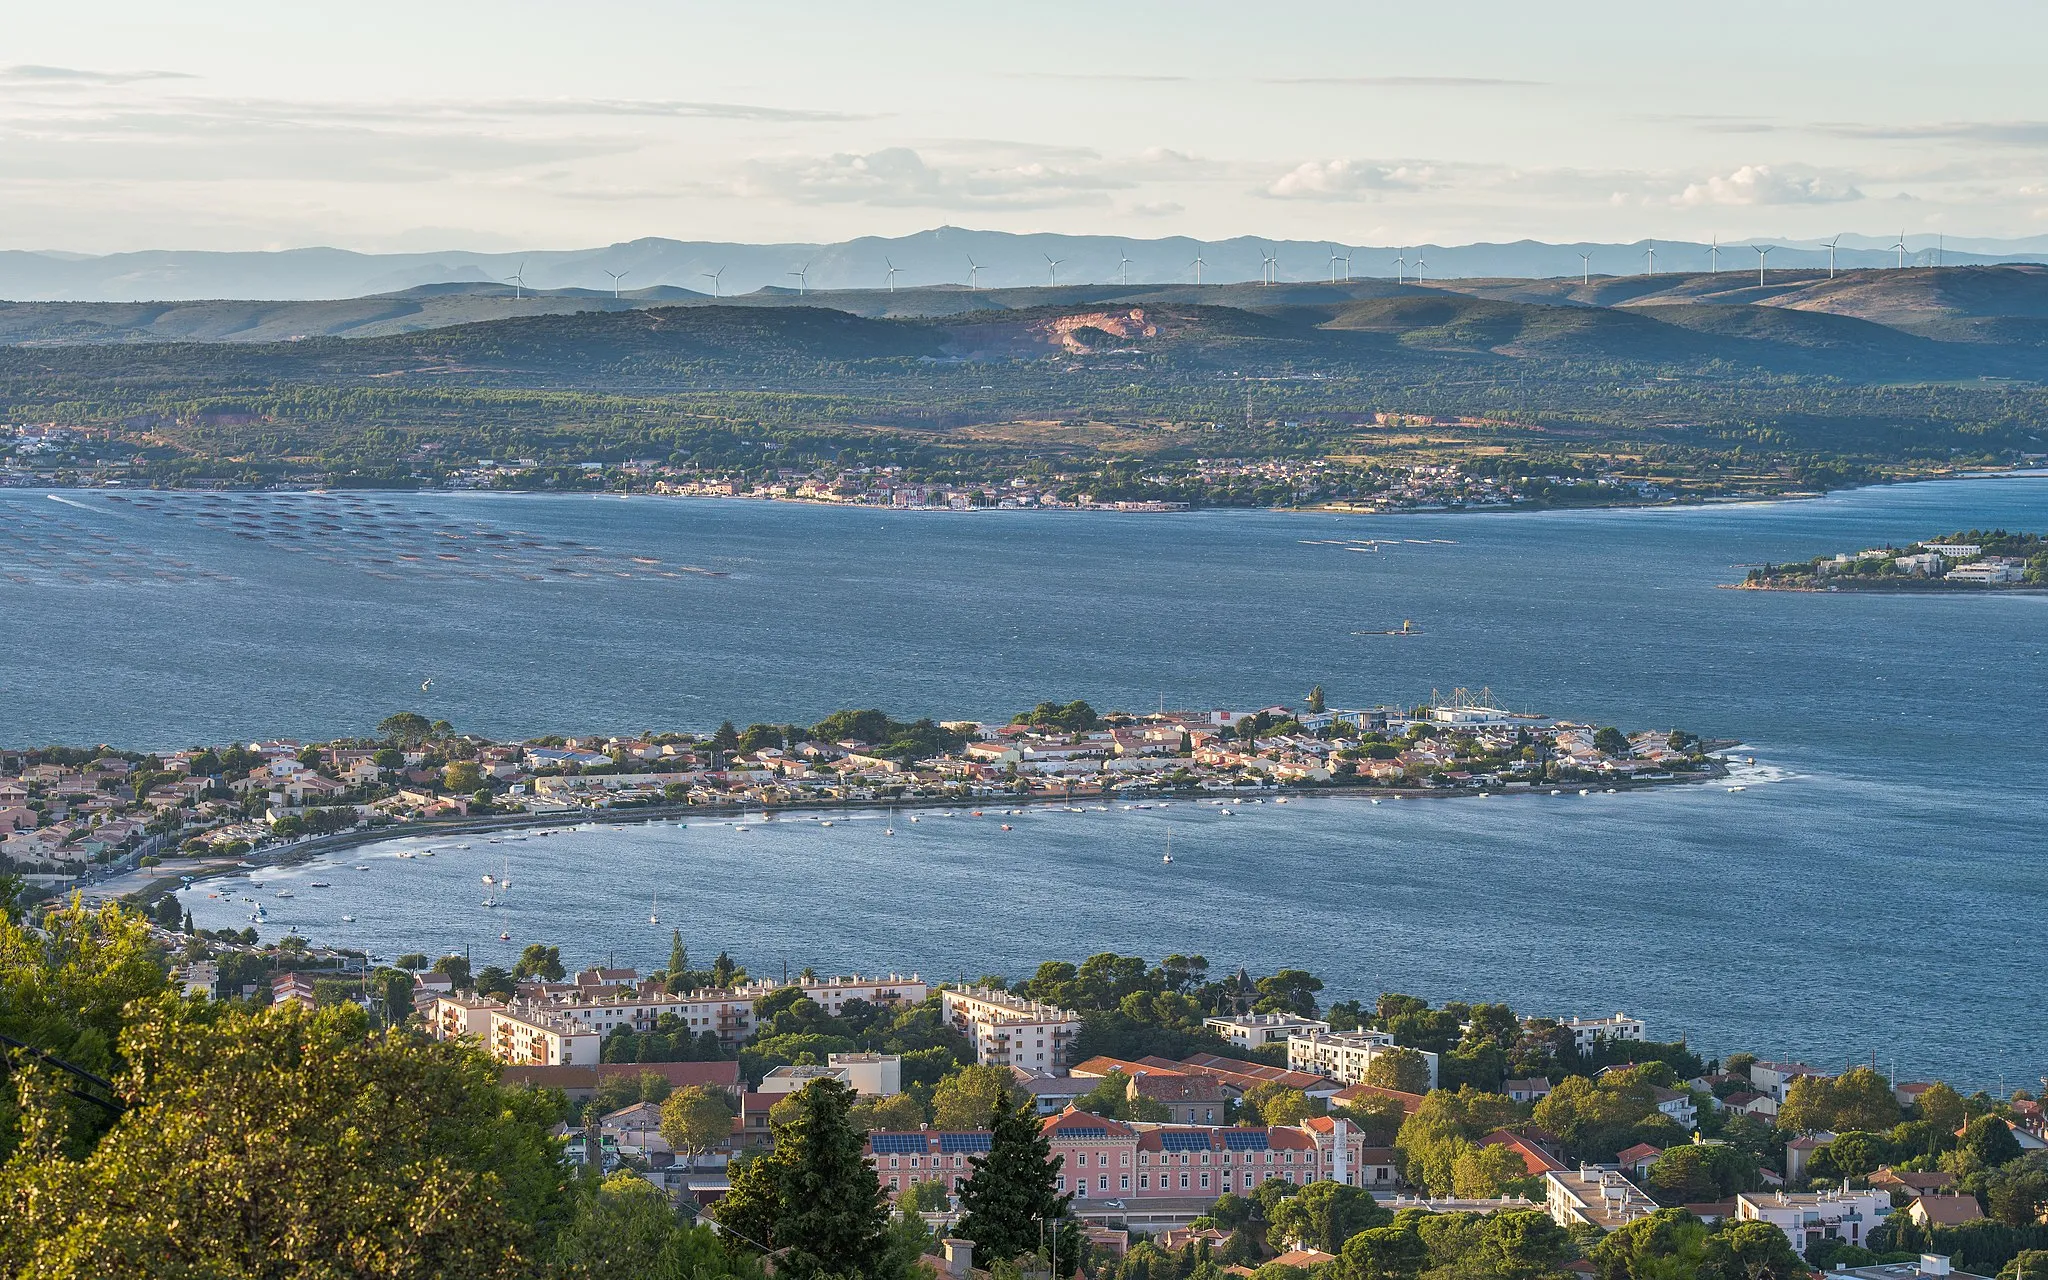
<point>321,884</point>
<point>286,893</point>
<point>1738,788</point>
<point>1584,792</point>
<point>489,878</point>
<point>1167,857</point>
<point>890,830</point>
<point>362,868</point>
<point>825,823</point>
<point>405,853</point>
<point>490,901</point>
<point>348,919</point>
<point>504,935</point>
<point>1227,813</point>
<point>426,853</point>
<point>654,916</point>
<point>1375,800</point>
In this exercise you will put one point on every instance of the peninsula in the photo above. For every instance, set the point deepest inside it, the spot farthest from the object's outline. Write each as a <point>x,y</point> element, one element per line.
<point>67,812</point>
<point>1972,561</point>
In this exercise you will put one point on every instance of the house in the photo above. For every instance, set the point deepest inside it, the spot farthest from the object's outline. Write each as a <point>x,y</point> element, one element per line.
<point>1638,1158</point>
<point>1188,1099</point>
<point>1799,1152</point>
<point>636,1131</point>
<point>1908,1184</point>
<point>1256,1030</point>
<point>1809,1218</point>
<point>1594,1197</point>
<point>1348,1055</point>
<point>1410,1102</point>
<point>1944,1211</point>
<point>1050,1094</point>
<point>1775,1078</point>
<point>293,987</point>
<point>1537,1157</point>
<point>1009,1030</point>
<point>1534,1089</point>
<point>1589,1033</point>
<point>1678,1105</point>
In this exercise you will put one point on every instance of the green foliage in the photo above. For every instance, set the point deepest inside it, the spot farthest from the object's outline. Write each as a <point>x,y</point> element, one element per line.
<point>1696,1173</point>
<point>1013,1190</point>
<point>1401,1068</point>
<point>1074,717</point>
<point>1324,1215</point>
<point>1443,1128</point>
<point>697,1118</point>
<point>207,1172</point>
<point>1597,1119</point>
<point>1858,1099</point>
<point>970,1096</point>
<point>538,961</point>
<point>406,728</point>
<point>624,1226</point>
<point>812,1200</point>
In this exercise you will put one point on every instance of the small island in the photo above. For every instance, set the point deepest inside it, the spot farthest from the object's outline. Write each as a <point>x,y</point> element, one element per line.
<point>1978,560</point>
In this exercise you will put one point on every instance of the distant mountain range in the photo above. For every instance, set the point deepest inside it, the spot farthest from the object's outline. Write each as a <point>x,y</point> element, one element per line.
<point>1971,319</point>
<point>942,256</point>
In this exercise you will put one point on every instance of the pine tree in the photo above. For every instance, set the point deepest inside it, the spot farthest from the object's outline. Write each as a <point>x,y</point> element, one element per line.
<point>1012,1194</point>
<point>813,1200</point>
<point>678,956</point>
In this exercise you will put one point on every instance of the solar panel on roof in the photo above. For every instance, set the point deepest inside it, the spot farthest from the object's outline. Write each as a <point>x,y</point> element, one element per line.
<point>1097,1135</point>
<point>1245,1140</point>
<point>897,1144</point>
<point>1183,1141</point>
<point>955,1143</point>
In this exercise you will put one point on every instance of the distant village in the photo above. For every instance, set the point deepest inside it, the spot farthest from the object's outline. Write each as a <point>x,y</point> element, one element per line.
<point>64,811</point>
<point>1965,561</point>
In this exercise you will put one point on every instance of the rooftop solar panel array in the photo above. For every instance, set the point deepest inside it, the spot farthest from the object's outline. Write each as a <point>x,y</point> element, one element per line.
<point>1245,1140</point>
<point>1085,1135</point>
<point>956,1143</point>
<point>1183,1141</point>
<point>898,1144</point>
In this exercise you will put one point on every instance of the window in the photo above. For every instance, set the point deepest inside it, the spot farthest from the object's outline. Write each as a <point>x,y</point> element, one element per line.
<point>1183,1180</point>
<point>1104,1182</point>
<point>1144,1182</point>
<point>1205,1180</point>
<point>1123,1182</point>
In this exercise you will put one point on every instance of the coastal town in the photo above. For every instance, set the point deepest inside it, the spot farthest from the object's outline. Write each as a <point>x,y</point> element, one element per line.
<point>1223,1123</point>
<point>49,455</point>
<point>1972,561</point>
<point>70,811</point>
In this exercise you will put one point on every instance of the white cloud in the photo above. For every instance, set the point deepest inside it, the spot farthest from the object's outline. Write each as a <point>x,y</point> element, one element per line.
<point>29,73</point>
<point>903,177</point>
<point>1759,184</point>
<point>1345,180</point>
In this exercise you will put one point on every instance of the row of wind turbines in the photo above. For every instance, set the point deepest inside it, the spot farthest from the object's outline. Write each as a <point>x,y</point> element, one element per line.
<point>1269,266</point>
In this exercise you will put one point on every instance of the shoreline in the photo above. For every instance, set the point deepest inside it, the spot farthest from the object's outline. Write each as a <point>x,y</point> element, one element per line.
<point>988,807</point>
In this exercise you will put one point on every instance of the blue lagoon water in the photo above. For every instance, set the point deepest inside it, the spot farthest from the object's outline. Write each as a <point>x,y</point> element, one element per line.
<point>1880,888</point>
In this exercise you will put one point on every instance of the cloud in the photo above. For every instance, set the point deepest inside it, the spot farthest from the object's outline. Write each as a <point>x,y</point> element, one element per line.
<point>1409,82</point>
<point>902,177</point>
<point>1344,180</point>
<point>2007,133</point>
<point>1761,184</point>
<point>645,108</point>
<point>29,73</point>
<point>1099,77</point>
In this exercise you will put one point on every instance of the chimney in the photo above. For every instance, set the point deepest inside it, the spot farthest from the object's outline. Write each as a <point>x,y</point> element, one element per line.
<point>959,1257</point>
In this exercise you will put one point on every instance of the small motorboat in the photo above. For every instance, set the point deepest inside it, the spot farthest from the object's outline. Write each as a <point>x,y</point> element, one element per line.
<point>504,935</point>
<point>321,884</point>
<point>1006,826</point>
<point>1733,789</point>
<point>286,893</point>
<point>362,868</point>
<point>489,878</point>
<point>348,919</point>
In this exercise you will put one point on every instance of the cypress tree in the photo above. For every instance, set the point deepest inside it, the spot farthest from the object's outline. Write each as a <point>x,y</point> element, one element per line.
<point>1013,1190</point>
<point>678,958</point>
<point>812,1201</point>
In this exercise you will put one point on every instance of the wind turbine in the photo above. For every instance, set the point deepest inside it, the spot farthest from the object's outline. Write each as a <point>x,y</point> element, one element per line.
<point>1901,247</point>
<point>1831,255</point>
<point>518,281</point>
<point>1272,266</point>
<point>1651,254</point>
<point>1940,246</point>
<point>1401,268</point>
<point>803,279</point>
<point>973,273</point>
<point>1197,264</point>
<point>893,269</point>
<point>1763,253</point>
<point>1335,258</point>
<point>616,277</point>
<point>1347,264</point>
<point>1123,267</point>
<point>1714,254</point>
<point>713,277</point>
<point>1052,269</point>
<point>1585,268</point>
<point>1419,265</point>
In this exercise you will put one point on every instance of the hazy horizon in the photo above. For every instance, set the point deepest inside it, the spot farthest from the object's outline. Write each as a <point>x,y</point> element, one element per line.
<point>230,126</point>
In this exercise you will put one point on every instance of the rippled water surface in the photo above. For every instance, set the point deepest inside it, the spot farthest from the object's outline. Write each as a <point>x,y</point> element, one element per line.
<point>1880,887</point>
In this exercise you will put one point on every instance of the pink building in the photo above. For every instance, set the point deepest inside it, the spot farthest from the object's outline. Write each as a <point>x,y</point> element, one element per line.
<point>1102,1159</point>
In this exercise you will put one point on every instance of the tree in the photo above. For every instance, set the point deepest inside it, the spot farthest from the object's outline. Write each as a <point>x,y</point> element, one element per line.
<point>462,776</point>
<point>625,1226</point>
<point>1402,1069</point>
<point>1523,1243</point>
<point>1273,1102</point>
<point>898,1111</point>
<point>1325,1215</point>
<point>727,737</point>
<point>457,969</point>
<point>1384,1253</point>
<point>812,1200</point>
<point>207,1172</point>
<point>407,728</point>
<point>1696,1173</point>
<point>1667,1245</point>
<point>1610,741</point>
<point>695,1119</point>
<point>966,1099</point>
<point>538,961</point>
<point>1315,700</point>
<point>1941,1106</point>
<point>1751,1251</point>
<point>1013,1189</point>
<point>494,981</point>
<point>1990,1140</point>
<point>1484,1172</point>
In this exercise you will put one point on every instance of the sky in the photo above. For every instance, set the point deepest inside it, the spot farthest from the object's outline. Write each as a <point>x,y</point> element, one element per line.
<point>515,124</point>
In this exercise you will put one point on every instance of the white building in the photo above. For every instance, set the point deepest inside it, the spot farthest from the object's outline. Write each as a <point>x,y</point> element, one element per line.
<point>1989,572</point>
<point>531,1035</point>
<point>872,1075</point>
<point>1010,1031</point>
<point>1256,1030</point>
<point>787,1079</point>
<point>1587,1033</point>
<point>1347,1055</point>
<point>1595,1197</point>
<point>1808,1219</point>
